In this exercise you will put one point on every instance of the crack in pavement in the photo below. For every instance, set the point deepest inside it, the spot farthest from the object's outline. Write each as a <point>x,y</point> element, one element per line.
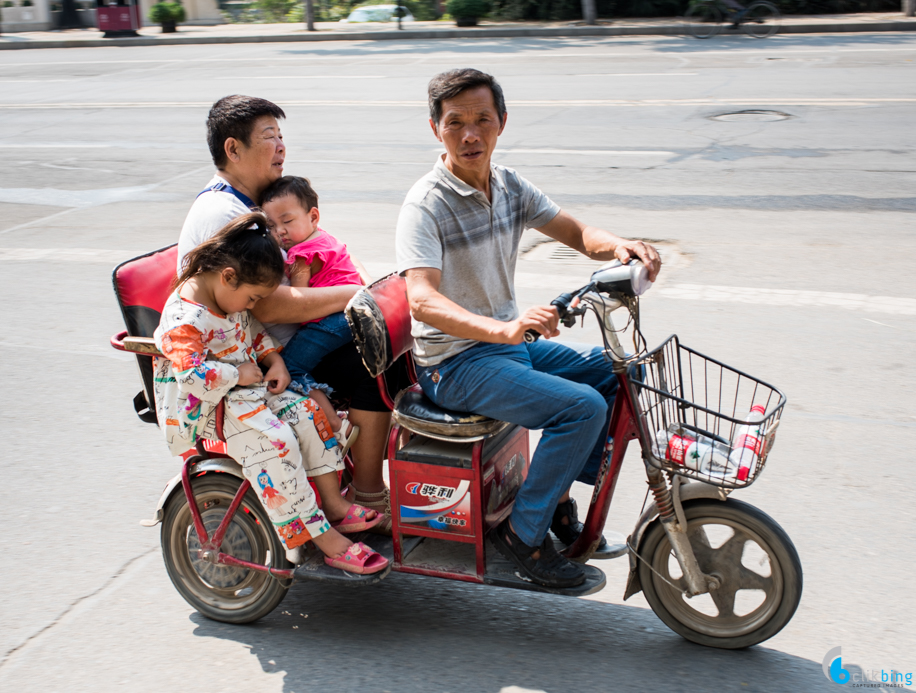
<point>9,654</point>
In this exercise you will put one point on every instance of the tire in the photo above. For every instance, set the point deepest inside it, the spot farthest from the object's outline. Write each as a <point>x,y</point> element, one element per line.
<point>761,20</point>
<point>221,592</point>
<point>704,20</point>
<point>708,525</point>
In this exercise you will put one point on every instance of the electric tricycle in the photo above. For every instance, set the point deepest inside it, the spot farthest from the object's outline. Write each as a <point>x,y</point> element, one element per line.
<point>716,570</point>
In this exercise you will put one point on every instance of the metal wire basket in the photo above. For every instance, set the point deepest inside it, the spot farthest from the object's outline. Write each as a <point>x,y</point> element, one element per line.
<point>683,393</point>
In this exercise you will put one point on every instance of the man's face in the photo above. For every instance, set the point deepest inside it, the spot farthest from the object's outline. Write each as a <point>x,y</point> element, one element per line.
<point>262,159</point>
<point>468,128</point>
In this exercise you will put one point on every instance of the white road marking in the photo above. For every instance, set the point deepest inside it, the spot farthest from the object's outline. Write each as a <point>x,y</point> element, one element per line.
<point>637,74</point>
<point>259,77</point>
<point>612,103</point>
<point>109,353</point>
<point>548,51</point>
<point>789,297</point>
<point>66,255</point>
<point>584,152</point>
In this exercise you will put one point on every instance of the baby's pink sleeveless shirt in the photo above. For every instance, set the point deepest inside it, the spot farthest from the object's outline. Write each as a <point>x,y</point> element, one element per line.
<point>337,267</point>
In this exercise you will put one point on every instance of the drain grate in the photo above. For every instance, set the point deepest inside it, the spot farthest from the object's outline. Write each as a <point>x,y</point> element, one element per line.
<point>751,116</point>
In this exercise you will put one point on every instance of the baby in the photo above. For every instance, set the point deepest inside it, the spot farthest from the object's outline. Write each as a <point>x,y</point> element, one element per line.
<point>314,258</point>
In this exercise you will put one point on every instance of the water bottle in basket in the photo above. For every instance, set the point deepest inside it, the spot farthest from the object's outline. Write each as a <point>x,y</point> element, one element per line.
<point>748,443</point>
<point>694,451</point>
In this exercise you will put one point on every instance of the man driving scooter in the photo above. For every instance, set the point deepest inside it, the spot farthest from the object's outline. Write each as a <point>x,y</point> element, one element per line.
<point>457,243</point>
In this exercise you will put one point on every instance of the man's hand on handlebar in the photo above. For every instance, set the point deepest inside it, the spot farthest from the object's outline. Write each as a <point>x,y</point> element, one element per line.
<point>645,252</point>
<point>541,319</point>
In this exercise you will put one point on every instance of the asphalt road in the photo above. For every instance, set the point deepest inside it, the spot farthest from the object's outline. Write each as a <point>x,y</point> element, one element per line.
<point>789,248</point>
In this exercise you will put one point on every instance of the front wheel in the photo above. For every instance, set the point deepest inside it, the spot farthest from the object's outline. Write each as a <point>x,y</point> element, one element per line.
<point>223,592</point>
<point>761,20</point>
<point>704,20</point>
<point>755,562</point>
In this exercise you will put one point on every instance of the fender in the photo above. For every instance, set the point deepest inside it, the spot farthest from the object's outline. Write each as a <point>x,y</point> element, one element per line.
<point>682,491</point>
<point>227,465</point>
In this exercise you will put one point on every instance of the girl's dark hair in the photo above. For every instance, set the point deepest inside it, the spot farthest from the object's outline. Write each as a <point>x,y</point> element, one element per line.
<point>245,245</point>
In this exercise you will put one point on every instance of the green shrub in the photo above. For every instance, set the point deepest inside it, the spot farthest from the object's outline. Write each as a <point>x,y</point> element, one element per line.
<point>8,3</point>
<point>275,10</point>
<point>163,12</point>
<point>468,9</point>
<point>26,3</point>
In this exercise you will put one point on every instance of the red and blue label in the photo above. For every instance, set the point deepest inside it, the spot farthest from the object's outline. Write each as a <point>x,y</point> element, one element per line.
<point>441,507</point>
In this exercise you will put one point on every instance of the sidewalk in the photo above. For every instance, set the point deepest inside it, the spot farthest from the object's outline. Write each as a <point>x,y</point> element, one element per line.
<point>334,31</point>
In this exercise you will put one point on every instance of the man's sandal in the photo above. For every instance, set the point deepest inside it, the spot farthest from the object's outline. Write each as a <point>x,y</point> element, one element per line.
<point>360,559</point>
<point>550,569</point>
<point>570,531</point>
<point>355,520</point>
<point>380,502</point>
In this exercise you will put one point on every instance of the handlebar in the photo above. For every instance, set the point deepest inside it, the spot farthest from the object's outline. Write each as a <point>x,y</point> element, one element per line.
<point>564,303</point>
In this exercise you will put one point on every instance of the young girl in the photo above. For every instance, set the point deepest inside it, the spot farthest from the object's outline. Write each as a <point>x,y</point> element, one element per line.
<point>314,258</point>
<point>212,347</point>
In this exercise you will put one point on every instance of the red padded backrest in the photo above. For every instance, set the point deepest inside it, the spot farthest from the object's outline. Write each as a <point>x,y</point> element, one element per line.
<point>390,293</point>
<point>379,318</point>
<point>142,286</point>
<point>145,282</point>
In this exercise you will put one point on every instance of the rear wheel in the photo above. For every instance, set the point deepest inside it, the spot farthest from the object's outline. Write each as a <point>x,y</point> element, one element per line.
<point>704,20</point>
<point>755,562</point>
<point>222,592</point>
<point>761,20</point>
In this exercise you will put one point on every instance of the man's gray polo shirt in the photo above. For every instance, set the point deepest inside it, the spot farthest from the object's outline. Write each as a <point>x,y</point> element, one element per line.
<point>450,226</point>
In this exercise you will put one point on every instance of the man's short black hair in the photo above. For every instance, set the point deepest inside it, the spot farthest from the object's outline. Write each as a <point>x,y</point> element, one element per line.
<point>234,116</point>
<point>447,85</point>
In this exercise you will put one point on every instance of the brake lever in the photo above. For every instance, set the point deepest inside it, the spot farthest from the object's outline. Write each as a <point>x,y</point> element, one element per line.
<point>567,306</point>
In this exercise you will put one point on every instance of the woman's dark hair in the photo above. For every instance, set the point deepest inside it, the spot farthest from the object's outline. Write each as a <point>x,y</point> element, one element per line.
<point>234,116</point>
<point>245,245</point>
<point>447,85</point>
<point>300,188</point>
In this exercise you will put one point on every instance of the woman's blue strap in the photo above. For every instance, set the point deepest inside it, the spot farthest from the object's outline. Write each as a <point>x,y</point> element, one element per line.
<point>224,186</point>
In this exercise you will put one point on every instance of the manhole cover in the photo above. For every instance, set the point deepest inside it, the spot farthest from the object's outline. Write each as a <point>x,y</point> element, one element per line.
<point>751,116</point>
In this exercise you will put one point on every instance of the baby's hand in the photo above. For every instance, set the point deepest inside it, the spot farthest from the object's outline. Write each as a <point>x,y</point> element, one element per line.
<point>249,374</point>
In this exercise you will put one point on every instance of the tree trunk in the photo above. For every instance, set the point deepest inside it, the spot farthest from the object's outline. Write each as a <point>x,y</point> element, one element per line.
<point>69,19</point>
<point>310,15</point>
<point>909,8</point>
<point>590,14</point>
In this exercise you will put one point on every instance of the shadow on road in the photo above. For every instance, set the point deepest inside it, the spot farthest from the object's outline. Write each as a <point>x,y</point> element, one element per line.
<point>422,634</point>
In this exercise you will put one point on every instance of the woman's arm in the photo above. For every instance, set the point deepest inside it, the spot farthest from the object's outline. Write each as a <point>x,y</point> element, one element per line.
<point>363,273</point>
<point>301,304</point>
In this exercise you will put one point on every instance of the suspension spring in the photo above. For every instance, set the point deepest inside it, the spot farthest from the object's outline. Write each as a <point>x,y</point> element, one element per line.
<point>663,500</point>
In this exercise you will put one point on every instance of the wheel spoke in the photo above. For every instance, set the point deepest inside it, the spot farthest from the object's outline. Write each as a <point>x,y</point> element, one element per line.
<point>749,580</point>
<point>729,554</point>
<point>724,599</point>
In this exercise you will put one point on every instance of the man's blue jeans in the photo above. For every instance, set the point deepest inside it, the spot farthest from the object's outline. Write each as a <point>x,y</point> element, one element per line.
<point>566,390</point>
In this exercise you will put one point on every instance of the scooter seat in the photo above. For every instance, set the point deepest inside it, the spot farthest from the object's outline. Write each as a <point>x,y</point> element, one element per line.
<point>418,413</point>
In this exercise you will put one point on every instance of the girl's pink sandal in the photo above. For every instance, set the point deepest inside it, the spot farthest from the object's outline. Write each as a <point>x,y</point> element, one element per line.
<point>355,520</point>
<point>359,559</point>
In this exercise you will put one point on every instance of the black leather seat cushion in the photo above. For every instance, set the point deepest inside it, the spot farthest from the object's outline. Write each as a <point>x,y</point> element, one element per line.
<point>417,412</point>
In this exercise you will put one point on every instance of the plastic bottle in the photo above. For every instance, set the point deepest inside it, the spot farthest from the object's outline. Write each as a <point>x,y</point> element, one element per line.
<point>694,451</point>
<point>747,443</point>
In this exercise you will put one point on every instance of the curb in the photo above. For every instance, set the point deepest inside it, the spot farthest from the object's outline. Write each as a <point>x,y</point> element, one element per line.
<point>508,32</point>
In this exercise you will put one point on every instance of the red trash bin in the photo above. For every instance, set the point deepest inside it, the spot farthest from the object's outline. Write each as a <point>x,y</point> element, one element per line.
<point>119,17</point>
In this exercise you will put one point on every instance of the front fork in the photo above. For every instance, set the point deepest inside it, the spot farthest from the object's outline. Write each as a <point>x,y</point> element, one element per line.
<point>621,431</point>
<point>675,525</point>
